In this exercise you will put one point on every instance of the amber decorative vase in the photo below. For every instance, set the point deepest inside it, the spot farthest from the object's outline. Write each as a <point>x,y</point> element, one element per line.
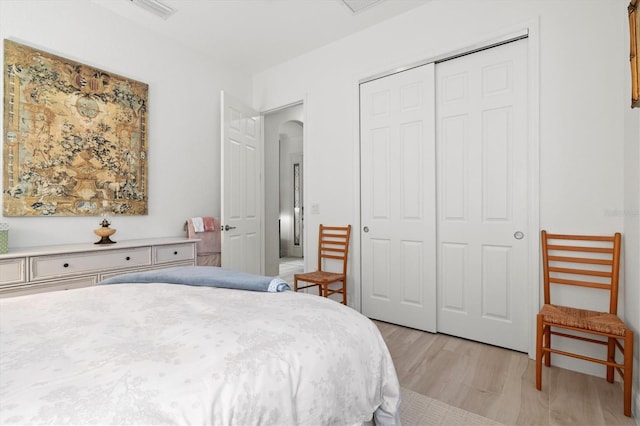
<point>104,232</point>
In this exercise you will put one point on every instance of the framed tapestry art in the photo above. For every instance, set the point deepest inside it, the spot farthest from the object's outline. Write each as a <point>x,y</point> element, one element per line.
<point>75,140</point>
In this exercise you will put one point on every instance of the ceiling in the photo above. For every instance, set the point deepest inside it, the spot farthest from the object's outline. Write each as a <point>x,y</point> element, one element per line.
<point>253,35</point>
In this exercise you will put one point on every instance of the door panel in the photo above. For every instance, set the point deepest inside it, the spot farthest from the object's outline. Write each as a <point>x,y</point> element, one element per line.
<point>241,190</point>
<point>452,276</point>
<point>380,279</point>
<point>398,193</point>
<point>482,196</point>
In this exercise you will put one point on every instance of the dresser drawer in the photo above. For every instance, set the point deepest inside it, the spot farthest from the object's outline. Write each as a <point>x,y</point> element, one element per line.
<point>44,267</point>
<point>174,253</point>
<point>13,271</point>
<point>67,284</point>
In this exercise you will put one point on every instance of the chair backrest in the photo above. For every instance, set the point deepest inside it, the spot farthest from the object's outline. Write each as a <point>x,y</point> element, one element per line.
<point>333,244</point>
<point>581,260</point>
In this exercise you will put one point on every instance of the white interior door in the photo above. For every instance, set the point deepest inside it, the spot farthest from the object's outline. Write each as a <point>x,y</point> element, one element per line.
<point>397,195</point>
<point>241,208</point>
<point>482,196</point>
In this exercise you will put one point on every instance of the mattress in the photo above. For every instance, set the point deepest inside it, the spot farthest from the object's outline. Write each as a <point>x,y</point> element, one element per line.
<point>176,354</point>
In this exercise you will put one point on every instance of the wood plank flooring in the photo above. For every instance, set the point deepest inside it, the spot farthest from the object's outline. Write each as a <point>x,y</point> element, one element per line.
<point>290,266</point>
<point>499,383</point>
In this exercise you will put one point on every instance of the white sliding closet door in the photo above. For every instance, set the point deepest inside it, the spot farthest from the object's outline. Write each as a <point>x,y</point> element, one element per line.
<point>482,196</point>
<point>398,198</point>
<point>444,187</point>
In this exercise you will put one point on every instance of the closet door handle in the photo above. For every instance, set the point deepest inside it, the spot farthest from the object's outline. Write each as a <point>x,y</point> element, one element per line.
<point>227,227</point>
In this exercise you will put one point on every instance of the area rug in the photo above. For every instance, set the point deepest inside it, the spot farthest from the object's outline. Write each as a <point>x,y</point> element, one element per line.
<point>418,410</point>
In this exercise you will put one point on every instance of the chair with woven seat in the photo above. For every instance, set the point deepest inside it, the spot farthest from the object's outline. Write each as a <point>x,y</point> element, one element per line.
<point>333,251</point>
<point>585,261</point>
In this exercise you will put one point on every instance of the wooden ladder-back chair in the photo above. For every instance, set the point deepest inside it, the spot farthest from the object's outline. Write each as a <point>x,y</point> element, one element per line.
<point>586,261</point>
<point>333,244</point>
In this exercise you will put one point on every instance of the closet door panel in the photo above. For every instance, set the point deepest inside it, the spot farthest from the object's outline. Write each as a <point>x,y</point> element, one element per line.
<point>398,193</point>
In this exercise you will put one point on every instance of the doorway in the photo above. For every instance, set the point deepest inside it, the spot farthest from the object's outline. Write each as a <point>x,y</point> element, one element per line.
<point>284,189</point>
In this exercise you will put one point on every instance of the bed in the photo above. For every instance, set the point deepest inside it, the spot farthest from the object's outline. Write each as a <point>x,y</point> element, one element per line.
<point>160,353</point>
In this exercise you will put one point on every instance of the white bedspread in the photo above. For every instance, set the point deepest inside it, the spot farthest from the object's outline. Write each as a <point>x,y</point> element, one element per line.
<point>173,354</point>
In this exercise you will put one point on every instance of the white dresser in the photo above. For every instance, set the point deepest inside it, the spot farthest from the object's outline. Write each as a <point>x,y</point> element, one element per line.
<point>39,269</point>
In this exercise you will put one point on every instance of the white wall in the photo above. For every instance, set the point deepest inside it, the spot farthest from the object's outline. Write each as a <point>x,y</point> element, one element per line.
<point>583,98</point>
<point>184,113</point>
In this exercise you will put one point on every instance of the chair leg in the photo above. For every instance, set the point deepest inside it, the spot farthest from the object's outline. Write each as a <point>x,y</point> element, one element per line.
<point>628,371</point>
<point>344,292</point>
<point>539,353</point>
<point>611,357</point>
<point>547,344</point>
<point>295,284</point>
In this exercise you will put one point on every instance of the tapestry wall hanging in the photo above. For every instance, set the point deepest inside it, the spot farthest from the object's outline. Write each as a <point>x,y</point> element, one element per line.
<point>75,141</point>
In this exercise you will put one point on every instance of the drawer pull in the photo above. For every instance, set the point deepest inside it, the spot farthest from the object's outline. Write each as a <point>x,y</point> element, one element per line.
<point>175,252</point>
<point>66,265</point>
<point>128,258</point>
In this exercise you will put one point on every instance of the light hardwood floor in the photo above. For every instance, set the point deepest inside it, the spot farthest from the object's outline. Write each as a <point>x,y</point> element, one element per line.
<point>498,383</point>
<point>290,266</point>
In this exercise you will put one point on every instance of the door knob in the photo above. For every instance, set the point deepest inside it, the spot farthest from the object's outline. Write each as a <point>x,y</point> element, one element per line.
<point>227,227</point>
<point>365,229</point>
<point>518,235</point>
